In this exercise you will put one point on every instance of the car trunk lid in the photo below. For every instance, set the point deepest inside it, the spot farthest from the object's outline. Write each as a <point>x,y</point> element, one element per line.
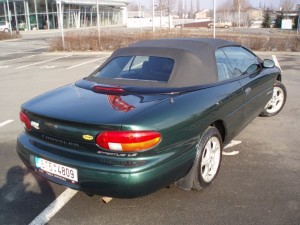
<point>72,116</point>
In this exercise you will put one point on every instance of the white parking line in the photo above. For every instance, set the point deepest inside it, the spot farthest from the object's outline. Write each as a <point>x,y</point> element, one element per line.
<point>6,122</point>
<point>54,207</point>
<point>71,67</point>
<point>47,67</point>
<point>231,144</point>
<point>27,50</point>
<point>49,60</point>
<point>18,58</point>
<point>231,153</point>
<point>276,61</point>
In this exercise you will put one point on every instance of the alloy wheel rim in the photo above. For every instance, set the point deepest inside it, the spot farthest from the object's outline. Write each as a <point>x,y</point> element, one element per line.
<point>210,159</point>
<point>276,101</point>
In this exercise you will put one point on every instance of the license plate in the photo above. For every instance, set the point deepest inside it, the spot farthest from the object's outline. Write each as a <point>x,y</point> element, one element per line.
<point>57,170</point>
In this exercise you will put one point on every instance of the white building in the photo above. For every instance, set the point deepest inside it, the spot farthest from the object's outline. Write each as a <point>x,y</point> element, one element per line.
<point>43,14</point>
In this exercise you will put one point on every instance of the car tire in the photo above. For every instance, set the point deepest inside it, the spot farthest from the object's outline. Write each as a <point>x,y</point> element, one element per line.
<point>276,103</point>
<point>209,155</point>
<point>6,30</point>
<point>226,27</point>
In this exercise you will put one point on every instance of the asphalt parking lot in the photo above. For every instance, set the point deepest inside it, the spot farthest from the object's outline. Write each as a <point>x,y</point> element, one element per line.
<point>258,182</point>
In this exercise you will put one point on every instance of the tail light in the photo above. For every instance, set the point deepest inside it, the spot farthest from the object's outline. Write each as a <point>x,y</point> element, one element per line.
<point>25,121</point>
<point>128,141</point>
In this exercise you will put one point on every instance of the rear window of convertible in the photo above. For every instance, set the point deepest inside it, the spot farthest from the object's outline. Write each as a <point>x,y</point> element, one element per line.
<point>149,68</point>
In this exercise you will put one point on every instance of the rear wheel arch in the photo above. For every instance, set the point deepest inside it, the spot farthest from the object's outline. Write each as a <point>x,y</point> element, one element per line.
<point>278,78</point>
<point>194,179</point>
<point>220,125</point>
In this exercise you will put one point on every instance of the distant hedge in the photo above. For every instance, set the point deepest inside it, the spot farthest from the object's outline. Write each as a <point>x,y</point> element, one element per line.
<point>111,40</point>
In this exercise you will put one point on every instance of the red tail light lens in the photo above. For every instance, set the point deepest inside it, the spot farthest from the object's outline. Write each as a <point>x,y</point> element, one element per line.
<point>128,141</point>
<point>25,121</point>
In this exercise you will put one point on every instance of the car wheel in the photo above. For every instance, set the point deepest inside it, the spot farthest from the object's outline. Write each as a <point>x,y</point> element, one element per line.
<point>209,154</point>
<point>6,30</point>
<point>226,27</point>
<point>277,101</point>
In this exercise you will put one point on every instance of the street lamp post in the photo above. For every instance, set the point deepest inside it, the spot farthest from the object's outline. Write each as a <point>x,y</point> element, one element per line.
<point>61,23</point>
<point>153,25</point>
<point>9,18</point>
<point>214,19</point>
<point>98,23</point>
<point>298,27</point>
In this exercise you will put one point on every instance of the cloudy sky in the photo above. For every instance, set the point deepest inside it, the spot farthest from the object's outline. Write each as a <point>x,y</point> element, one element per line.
<point>209,3</point>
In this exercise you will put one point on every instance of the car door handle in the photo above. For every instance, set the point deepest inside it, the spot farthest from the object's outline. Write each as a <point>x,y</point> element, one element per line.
<point>248,90</point>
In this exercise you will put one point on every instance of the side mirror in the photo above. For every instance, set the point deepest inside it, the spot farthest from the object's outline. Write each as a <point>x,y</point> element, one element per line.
<point>268,63</point>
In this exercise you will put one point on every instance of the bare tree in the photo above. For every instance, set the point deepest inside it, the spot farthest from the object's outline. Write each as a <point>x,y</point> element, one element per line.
<point>198,6</point>
<point>133,7</point>
<point>234,11</point>
<point>180,9</point>
<point>185,10</point>
<point>287,5</point>
<point>241,5</point>
<point>225,10</point>
<point>191,12</point>
<point>167,5</point>
<point>225,6</point>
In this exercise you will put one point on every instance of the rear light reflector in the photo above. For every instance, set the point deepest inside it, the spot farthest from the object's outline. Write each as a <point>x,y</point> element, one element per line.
<point>128,141</point>
<point>25,121</point>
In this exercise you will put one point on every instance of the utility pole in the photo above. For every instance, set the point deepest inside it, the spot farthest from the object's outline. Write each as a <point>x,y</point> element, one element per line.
<point>298,26</point>
<point>215,18</point>
<point>169,16</point>
<point>239,2</point>
<point>9,18</point>
<point>98,24</point>
<point>61,23</point>
<point>153,14</point>
<point>198,6</point>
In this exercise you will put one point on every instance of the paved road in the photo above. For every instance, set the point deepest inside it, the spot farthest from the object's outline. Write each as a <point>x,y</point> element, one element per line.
<point>260,185</point>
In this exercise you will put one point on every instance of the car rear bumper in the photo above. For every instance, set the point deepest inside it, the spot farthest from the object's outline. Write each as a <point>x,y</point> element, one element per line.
<point>109,176</point>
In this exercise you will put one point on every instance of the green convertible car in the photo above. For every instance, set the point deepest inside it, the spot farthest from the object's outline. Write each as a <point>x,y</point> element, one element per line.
<point>155,113</point>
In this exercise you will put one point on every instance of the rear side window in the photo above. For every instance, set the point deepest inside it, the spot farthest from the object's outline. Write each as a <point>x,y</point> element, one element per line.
<point>149,68</point>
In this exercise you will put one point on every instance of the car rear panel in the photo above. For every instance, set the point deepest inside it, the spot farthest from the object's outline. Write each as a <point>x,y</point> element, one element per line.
<point>107,174</point>
<point>63,131</point>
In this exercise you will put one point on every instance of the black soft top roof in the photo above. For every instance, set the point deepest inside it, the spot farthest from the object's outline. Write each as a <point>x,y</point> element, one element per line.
<point>189,44</point>
<point>195,62</point>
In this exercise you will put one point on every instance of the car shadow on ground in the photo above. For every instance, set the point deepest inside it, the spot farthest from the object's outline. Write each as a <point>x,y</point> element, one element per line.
<point>18,203</point>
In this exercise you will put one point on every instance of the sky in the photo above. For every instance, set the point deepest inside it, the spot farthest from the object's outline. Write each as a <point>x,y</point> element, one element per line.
<point>208,4</point>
